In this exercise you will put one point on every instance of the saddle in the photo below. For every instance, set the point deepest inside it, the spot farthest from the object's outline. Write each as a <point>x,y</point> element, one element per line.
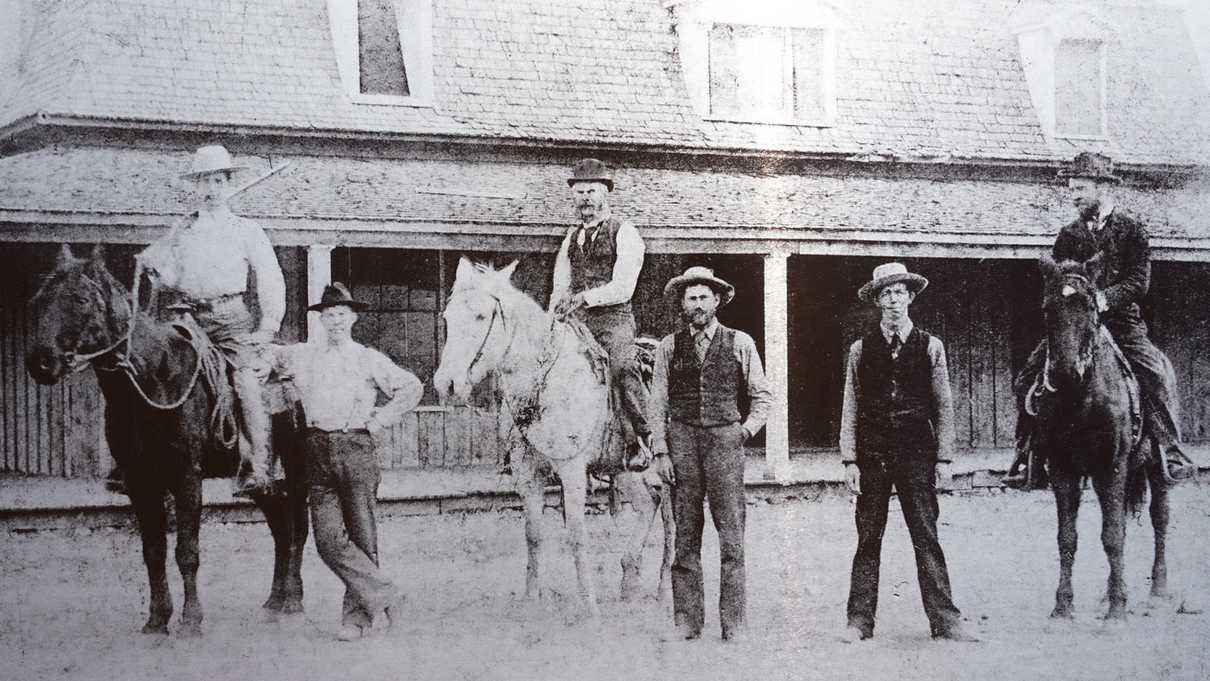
<point>614,457</point>
<point>215,372</point>
<point>1036,406</point>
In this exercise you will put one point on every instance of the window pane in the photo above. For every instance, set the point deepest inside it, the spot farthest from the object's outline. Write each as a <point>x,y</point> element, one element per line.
<point>747,71</point>
<point>379,52</point>
<point>808,74</point>
<point>1078,93</point>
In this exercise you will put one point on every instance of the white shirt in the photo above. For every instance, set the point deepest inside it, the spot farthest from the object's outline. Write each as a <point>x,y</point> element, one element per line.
<point>210,257</point>
<point>620,287</point>
<point>339,385</point>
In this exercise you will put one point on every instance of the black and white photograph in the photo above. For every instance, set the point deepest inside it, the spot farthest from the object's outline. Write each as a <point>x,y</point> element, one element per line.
<point>578,340</point>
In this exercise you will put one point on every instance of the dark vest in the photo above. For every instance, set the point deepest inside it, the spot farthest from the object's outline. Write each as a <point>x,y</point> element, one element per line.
<point>706,394</point>
<point>895,397</point>
<point>592,265</point>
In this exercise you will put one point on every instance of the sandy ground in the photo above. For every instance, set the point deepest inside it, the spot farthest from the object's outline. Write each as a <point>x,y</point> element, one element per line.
<point>71,603</point>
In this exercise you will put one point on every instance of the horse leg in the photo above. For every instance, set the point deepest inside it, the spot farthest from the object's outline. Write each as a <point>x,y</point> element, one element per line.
<point>1159,525</point>
<point>188,497</point>
<point>148,505</point>
<point>1111,491</point>
<point>575,486</point>
<point>1066,488</point>
<point>277,517</point>
<point>635,516</point>
<point>531,485</point>
<point>669,521</point>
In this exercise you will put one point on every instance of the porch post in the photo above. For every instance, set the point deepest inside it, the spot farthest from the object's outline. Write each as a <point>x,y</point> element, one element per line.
<point>777,367</point>
<point>319,275</point>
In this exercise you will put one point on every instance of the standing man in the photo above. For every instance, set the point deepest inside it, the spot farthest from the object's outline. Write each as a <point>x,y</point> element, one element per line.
<point>703,374</point>
<point>1125,275</point>
<point>207,262</point>
<point>339,381</point>
<point>595,274</point>
<point>897,431</point>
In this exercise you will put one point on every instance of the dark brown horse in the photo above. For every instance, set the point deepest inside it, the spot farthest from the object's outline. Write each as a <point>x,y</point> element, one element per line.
<point>158,425</point>
<point>1089,427</point>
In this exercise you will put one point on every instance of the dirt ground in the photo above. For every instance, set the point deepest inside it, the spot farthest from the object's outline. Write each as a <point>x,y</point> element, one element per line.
<point>71,604</point>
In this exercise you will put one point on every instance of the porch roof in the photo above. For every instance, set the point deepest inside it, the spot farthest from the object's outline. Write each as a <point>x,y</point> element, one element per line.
<point>128,195</point>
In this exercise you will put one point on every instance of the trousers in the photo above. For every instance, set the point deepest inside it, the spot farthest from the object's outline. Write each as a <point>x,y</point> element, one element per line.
<point>615,332</point>
<point>709,464</point>
<point>913,476</point>
<point>343,474</point>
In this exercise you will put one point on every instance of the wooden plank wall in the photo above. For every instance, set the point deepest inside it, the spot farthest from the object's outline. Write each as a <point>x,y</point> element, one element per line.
<point>969,305</point>
<point>1180,326</point>
<point>44,430</point>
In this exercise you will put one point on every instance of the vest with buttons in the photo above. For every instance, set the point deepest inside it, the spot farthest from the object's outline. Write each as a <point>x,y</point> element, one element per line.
<point>592,265</point>
<point>895,396</point>
<point>706,393</point>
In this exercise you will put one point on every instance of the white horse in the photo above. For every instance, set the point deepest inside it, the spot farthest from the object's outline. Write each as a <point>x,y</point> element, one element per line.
<point>559,411</point>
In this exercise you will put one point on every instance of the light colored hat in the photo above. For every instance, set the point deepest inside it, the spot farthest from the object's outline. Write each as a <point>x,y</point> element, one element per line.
<point>700,275</point>
<point>591,170</point>
<point>891,273</point>
<point>212,158</point>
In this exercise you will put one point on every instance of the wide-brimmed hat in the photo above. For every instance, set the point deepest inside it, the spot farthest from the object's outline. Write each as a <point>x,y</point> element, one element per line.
<point>212,158</point>
<point>700,275</point>
<point>891,273</point>
<point>335,294</point>
<point>1093,166</point>
<point>591,170</point>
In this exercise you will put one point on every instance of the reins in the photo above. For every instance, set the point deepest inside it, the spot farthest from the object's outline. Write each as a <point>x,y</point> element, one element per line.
<point>1084,360</point>
<point>80,362</point>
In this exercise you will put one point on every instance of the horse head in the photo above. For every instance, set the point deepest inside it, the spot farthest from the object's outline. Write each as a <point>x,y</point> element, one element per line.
<point>79,309</point>
<point>478,327</point>
<point>1069,306</point>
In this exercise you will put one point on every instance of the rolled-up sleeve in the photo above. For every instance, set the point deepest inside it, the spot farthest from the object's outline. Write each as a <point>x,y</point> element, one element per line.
<point>270,283</point>
<point>626,268</point>
<point>400,385</point>
<point>657,406</point>
<point>759,396</point>
<point>848,412</point>
<point>943,400</point>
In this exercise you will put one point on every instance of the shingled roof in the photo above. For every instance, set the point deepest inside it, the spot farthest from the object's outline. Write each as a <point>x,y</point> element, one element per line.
<point>330,200</point>
<point>937,80</point>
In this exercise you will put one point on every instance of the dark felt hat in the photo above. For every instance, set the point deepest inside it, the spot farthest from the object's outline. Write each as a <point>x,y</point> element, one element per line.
<point>591,170</point>
<point>337,294</point>
<point>1093,166</point>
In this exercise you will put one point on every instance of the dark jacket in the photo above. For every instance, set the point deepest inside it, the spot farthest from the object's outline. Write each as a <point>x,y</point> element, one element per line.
<point>1125,266</point>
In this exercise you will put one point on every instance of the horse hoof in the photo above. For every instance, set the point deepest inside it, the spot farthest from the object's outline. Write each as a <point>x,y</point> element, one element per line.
<point>156,628</point>
<point>190,630</point>
<point>1063,614</point>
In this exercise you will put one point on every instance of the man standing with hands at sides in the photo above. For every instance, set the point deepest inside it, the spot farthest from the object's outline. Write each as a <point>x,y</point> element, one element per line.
<point>339,381</point>
<point>596,270</point>
<point>897,431</point>
<point>702,375</point>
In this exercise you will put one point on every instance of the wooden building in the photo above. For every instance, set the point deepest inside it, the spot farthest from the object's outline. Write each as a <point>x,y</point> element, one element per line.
<point>791,144</point>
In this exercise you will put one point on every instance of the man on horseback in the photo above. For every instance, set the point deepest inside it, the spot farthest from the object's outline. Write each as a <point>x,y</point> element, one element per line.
<point>1121,241</point>
<point>595,274</point>
<point>703,375</point>
<point>206,262</point>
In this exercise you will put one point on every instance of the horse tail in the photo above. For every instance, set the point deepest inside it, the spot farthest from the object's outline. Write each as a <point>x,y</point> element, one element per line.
<point>1136,486</point>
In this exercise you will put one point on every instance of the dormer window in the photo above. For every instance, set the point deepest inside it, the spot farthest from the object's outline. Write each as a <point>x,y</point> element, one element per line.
<point>759,61</point>
<point>1063,56</point>
<point>1079,88</point>
<point>384,50</point>
<point>766,73</point>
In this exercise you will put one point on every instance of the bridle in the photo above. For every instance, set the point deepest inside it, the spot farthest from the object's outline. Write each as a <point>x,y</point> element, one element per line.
<point>497,313</point>
<point>1084,357</point>
<point>77,362</point>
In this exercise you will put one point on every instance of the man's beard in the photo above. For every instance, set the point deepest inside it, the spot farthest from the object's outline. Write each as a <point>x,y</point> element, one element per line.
<point>1090,211</point>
